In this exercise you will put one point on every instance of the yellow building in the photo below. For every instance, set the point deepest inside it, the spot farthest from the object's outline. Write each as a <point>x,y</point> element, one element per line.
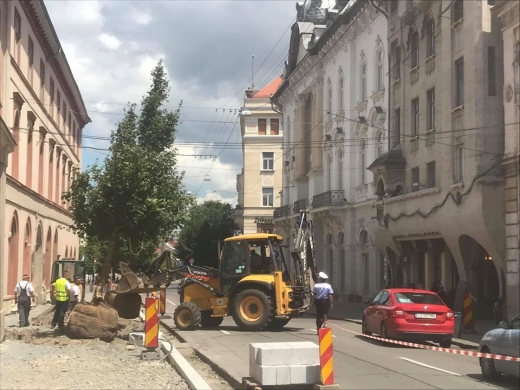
<point>260,183</point>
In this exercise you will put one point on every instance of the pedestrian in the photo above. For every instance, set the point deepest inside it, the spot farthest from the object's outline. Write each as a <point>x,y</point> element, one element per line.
<point>75,293</point>
<point>23,294</point>
<point>322,295</point>
<point>61,294</point>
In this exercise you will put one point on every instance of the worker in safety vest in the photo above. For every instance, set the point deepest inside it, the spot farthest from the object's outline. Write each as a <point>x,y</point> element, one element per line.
<point>61,294</point>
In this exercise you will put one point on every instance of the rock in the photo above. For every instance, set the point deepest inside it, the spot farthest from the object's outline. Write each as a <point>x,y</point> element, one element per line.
<point>92,321</point>
<point>130,347</point>
<point>127,305</point>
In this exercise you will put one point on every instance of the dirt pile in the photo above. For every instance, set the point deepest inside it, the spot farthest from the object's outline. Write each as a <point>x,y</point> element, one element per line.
<point>45,318</point>
<point>92,322</point>
<point>125,327</point>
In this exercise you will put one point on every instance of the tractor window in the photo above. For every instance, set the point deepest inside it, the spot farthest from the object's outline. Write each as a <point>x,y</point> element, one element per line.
<point>233,261</point>
<point>260,257</point>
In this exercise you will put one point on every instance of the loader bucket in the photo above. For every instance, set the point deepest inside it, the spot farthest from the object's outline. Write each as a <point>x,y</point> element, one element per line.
<point>129,281</point>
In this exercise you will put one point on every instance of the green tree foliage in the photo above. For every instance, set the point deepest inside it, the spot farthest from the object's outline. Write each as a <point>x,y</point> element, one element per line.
<point>207,224</point>
<point>137,195</point>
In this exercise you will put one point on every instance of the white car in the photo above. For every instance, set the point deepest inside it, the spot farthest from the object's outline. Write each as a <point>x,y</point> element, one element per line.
<point>504,340</point>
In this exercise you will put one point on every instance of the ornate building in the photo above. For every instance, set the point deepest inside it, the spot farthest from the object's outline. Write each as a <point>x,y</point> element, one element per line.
<point>42,106</point>
<point>334,103</point>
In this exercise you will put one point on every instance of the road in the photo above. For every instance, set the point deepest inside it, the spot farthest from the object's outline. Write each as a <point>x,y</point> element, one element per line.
<point>360,363</point>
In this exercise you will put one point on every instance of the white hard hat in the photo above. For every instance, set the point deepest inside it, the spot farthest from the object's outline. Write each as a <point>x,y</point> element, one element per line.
<point>323,275</point>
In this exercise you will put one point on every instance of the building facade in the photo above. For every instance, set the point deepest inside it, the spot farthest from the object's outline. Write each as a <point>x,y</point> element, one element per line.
<point>437,212</point>
<point>260,182</point>
<point>334,104</point>
<point>43,109</point>
<point>508,14</point>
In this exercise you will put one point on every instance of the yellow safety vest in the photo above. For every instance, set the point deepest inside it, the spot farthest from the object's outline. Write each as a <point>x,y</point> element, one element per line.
<point>61,290</point>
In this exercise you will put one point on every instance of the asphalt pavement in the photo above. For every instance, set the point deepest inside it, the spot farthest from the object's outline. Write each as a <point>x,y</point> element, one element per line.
<point>359,362</point>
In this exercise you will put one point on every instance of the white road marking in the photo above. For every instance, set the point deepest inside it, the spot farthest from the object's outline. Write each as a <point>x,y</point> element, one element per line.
<point>173,303</point>
<point>225,332</point>
<point>428,366</point>
<point>314,330</point>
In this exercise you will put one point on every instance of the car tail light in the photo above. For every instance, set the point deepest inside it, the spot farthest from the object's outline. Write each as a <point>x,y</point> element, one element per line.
<point>449,315</point>
<point>398,312</point>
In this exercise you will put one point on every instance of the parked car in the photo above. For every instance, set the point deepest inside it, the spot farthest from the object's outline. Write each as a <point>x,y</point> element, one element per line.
<point>504,340</point>
<point>409,314</point>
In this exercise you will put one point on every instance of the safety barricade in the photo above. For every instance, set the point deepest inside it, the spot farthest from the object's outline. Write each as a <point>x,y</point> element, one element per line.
<point>151,325</point>
<point>326,356</point>
<point>162,302</point>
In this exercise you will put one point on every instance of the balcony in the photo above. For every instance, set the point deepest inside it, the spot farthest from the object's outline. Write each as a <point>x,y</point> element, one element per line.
<point>329,198</point>
<point>300,204</point>
<point>282,212</point>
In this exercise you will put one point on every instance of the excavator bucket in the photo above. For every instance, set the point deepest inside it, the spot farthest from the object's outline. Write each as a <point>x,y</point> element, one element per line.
<point>129,281</point>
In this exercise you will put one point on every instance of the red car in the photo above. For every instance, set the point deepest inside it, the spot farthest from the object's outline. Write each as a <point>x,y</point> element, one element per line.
<point>409,314</point>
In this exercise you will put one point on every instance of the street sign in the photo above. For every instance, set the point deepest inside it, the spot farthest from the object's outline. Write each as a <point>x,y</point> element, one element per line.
<point>192,261</point>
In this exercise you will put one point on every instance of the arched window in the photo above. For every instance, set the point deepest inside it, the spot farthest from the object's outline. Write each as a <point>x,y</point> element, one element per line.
<point>380,146</point>
<point>329,101</point>
<point>329,173</point>
<point>341,83</point>
<point>330,258</point>
<point>380,80</point>
<point>340,169</point>
<point>362,165</point>
<point>363,86</point>
<point>342,261</point>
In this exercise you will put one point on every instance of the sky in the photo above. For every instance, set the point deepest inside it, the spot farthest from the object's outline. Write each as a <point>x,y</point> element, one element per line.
<point>207,47</point>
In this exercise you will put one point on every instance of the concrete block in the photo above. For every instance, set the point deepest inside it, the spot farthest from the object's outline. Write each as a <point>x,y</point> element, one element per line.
<point>305,375</point>
<point>326,387</point>
<point>286,354</point>
<point>265,375</point>
<point>283,375</point>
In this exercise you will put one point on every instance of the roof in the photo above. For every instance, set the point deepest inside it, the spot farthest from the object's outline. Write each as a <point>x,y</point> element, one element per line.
<point>268,90</point>
<point>409,290</point>
<point>254,236</point>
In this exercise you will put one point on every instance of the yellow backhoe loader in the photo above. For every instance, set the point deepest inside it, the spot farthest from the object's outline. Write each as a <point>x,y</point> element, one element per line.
<point>254,284</point>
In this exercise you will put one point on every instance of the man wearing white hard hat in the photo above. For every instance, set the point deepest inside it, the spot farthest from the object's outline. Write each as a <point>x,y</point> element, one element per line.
<point>322,294</point>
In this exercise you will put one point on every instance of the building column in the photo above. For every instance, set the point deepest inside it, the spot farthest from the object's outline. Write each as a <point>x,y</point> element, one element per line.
<point>57,190</point>
<point>317,126</point>
<point>300,138</point>
<point>50,172</point>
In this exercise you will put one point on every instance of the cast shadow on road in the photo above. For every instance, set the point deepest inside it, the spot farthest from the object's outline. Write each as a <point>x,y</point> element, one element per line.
<point>505,381</point>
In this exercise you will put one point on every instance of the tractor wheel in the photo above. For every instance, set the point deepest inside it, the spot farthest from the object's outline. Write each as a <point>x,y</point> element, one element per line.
<point>279,323</point>
<point>253,310</point>
<point>187,316</point>
<point>207,321</point>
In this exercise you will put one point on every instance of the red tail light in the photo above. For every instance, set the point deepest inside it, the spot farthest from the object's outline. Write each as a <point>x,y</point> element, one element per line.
<point>449,315</point>
<point>398,312</point>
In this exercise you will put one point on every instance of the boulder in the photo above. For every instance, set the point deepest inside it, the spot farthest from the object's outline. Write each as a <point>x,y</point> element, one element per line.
<point>128,306</point>
<point>92,322</point>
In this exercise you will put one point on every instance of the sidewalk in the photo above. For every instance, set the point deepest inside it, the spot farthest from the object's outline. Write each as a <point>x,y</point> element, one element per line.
<point>353,312</point>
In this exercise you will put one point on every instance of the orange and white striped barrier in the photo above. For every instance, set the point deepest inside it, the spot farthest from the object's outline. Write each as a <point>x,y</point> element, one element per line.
<point>464,352</point>
<point>467,311</point>
<point>162,302</point>
<point>151,325</point>
<point>326,356</point>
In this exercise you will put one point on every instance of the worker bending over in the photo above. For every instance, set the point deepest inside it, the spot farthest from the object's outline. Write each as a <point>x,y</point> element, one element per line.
<point>322,295</point>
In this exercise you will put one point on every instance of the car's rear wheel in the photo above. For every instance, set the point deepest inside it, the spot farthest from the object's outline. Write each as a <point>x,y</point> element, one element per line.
<point>384,333</point>
<point>445,343</point>
<point>487,366</point>
<point>364,328</point>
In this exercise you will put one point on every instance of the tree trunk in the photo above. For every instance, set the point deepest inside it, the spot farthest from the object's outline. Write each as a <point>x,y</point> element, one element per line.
<point>97,297</point>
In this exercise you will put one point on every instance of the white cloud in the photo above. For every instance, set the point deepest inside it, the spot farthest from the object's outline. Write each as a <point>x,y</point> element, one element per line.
<point>141,17</point>
<point>110,41</point>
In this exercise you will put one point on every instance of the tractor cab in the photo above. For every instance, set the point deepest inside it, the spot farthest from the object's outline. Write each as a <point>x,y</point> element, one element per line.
<point>75,267</point>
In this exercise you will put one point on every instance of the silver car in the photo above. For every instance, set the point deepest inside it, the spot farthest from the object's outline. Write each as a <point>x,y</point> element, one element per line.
<point>504,340</point>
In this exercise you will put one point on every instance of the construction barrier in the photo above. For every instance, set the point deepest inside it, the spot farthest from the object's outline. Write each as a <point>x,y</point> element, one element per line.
<point>162,302</point>
<point>326,356</point>
<point>151,325</point>
<point>432,347</point>
<point>467,311</point>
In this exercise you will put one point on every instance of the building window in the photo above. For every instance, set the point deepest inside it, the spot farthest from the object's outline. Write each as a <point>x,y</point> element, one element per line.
<point>459,82</point>
<point>380,70</point>
<point>362,164</point>
<point>329,101</point>
<point>330,268</point>
<point>65,116</point>
<point>457,11</point>
<point>340,170</point>
<point>430,175</point>
<point>262,126</point>
<point>30,55</point>
<point>396,135</point>
<point>415,179</point>
<point>17,35</point>
<point>430,97</point>
<point>415,117</point>
<point>414,44</point>
<point>366,272</point>
<point>430,38</point>
<point>329,173</point>
<point>267,197</point>
<point>340,94</point>
<point>363,81</point>
<point>42,81</point>
<point>492,86</point>
<point>51,93</point>
<point>396,69</point>
<point>274,126</point>
<point>379,144</point>
<point>393,5</point>
<point>58,107</point>
<point>267,161</point>
<point>458,166</point>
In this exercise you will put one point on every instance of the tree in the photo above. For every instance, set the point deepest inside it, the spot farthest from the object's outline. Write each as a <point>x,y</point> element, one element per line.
<point>207,224</point>
<point>137,195</point>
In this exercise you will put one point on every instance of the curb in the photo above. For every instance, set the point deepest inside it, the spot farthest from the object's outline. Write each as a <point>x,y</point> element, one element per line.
<point>183,367</point>
<point>232,381</point>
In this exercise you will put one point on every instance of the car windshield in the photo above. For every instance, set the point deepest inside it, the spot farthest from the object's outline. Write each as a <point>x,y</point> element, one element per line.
<point>420,298</point>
